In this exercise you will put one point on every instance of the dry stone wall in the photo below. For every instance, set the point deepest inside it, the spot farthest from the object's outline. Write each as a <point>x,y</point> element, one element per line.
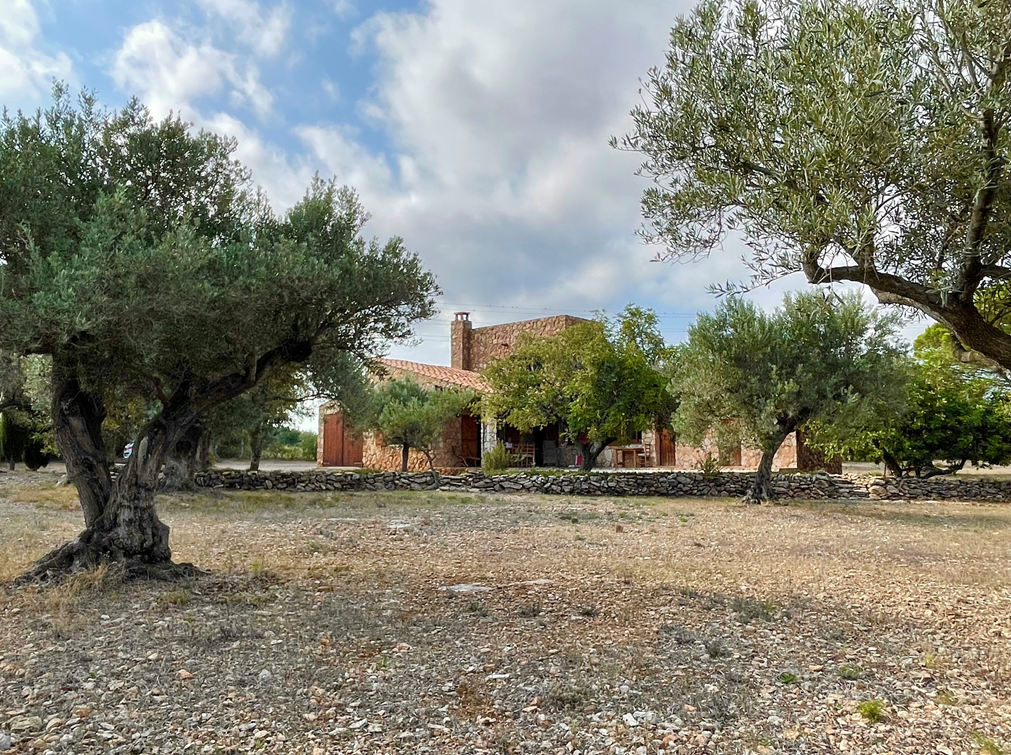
<point>673,484</point>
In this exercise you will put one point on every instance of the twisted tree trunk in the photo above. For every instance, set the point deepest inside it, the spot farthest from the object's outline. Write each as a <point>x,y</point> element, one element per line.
<point>121,524</point>
<point>184,459</point>
<point>761,483</point>
<point>591,451</point>
<point>256,438</point>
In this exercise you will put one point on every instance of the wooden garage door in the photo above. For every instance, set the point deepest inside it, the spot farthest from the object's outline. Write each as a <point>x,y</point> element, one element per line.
<point>342,446</point>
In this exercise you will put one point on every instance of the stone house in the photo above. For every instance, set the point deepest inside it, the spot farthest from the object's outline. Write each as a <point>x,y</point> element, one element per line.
<point>467,437</point>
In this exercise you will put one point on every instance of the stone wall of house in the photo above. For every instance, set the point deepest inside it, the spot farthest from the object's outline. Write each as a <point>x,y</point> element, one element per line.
<point>475,348</point>
<point>375,455</point>
<point>785,458</point>
<point>668,484</point>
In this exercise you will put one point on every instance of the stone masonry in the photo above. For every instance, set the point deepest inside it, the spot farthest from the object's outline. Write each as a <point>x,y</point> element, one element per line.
<point>475,348</point>
<point>668,484</point>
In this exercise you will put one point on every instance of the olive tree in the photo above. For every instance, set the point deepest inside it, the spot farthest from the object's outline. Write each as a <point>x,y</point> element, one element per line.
<point>751,376</point>
<point>138,257</point>
<point>410,415</point>
<point>850,140</point>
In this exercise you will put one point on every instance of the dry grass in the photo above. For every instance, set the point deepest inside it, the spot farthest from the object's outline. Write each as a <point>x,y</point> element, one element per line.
<point>51,496</point>
<point>782,603</point>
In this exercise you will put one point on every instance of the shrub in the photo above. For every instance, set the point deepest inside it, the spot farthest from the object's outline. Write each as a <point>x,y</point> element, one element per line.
<point>302,449</point>
<point>496,460</point>
<point>872,710</point>
<point>709,466</point>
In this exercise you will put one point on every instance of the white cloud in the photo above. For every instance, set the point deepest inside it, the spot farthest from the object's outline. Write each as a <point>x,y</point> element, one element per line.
<point>169,73</point>
<point>285,178</point>
<point>344,9</point>
<point>26,71</point>
<point>264,31</point>
<point>499,116</point>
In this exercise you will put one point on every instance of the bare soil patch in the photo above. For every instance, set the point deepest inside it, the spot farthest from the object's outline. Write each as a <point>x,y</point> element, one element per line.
<point>589,625</point>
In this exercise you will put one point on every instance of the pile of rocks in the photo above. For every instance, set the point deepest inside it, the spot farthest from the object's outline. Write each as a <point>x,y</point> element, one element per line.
<point>647,483</point>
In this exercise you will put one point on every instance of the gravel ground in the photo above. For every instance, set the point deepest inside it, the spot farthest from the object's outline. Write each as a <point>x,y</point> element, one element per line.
<point>428,622</point>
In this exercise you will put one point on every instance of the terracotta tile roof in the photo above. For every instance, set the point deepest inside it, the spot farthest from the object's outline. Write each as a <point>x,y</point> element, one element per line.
<point>444,376</point>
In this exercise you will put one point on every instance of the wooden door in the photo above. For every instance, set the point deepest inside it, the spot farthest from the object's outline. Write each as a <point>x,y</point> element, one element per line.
<point>666,456</point>
<point>352,448</point>
<point>333,440</point>
<point>470,440</point>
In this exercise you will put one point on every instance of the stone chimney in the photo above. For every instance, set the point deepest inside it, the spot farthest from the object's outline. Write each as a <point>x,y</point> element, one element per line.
<point>460,333</point>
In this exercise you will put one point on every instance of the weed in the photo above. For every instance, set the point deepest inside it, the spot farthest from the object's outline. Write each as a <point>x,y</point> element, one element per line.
<point>715,647</point>
<point>315,546</point>
<point>689,592</point>
<point>709,466</point>
<point>528,611</point>
<point>748,610</point>
<point>947,697</point>
<point>836,635</point>
<point>566,696</point>
<point>787,678</point>
<point>477,607</point>
<point>569,516</point>
<point>849,671</point>
<point>254,599</point>
<point>588,611</point>
<point>176,597</point>
<point>678,634</point>
<point>872,710</point>
<point>933,661</point>
<point>986,746</point>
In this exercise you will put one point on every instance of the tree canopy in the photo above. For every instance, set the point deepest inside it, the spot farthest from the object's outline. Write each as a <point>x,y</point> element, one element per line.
<point>851,140</point>
<point>600,380</point>
<point>954,413</point>
<point>749,376</point>
<point>137,256</point>
<point>410,415</point>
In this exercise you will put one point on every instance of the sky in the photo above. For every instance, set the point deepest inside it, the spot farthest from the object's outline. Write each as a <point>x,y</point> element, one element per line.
<point>476,130</point>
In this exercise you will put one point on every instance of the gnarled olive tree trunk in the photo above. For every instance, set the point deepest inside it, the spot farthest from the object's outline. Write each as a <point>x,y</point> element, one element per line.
<point>591,451</point>
<point>119,514</point>
<point>184,460</point>
<point>761,483</point>
<point>256,443</point>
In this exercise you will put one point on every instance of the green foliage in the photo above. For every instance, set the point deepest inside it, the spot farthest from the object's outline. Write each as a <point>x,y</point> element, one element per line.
<point>409,415</point>
<point>138,255</point>
<point>497,459</point>
<point>953,412</point>
<point>751,376</point>
<point>25,405</point>
<point>849,140</point>
<point>709,466</point>
<point>986,745</point>
<point>291,445</point>
<point>601,381</point>
<point>850,672</point>
<point>872,710</point>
